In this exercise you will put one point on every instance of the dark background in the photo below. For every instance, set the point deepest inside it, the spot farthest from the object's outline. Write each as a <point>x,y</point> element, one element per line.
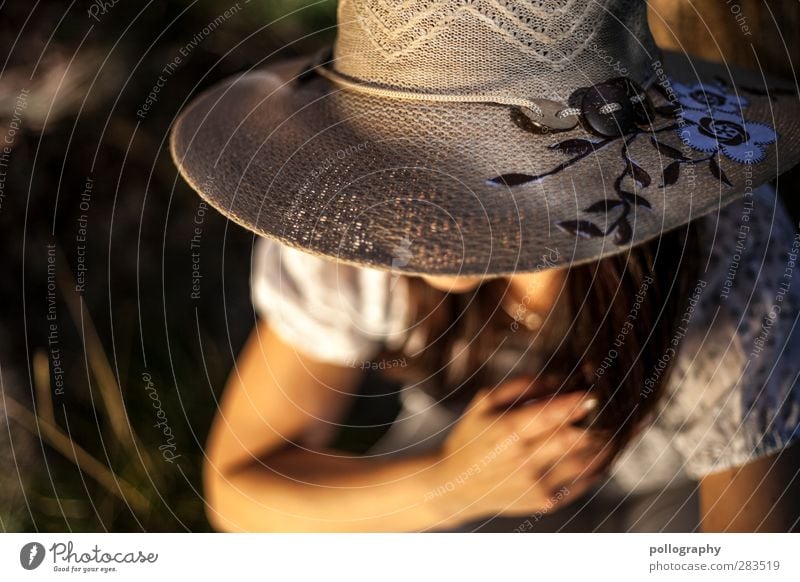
<point>87,458</point>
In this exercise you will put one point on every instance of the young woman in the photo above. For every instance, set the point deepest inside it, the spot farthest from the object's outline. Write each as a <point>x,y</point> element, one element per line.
<point>558,243</point>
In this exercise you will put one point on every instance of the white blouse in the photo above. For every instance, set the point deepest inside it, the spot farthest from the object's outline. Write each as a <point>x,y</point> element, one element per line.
<point>732,396</point>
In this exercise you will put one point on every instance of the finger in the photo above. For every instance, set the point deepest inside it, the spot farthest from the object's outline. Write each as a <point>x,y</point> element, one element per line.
<point>567,441</point>
<point>515,392</point>
<point>480,401</point>
<point>511,391</point>
<point>505,394</point>
<point>539,418</point>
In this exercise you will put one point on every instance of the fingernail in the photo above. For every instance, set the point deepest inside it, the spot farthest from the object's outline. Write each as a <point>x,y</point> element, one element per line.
<point>590,404</point>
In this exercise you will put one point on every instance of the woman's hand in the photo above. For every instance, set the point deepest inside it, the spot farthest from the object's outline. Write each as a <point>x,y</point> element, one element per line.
<point>515,460</point>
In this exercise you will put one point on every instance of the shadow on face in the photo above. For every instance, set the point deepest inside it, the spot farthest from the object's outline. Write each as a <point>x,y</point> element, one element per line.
<point>454,284</point>
<point>537,288</point>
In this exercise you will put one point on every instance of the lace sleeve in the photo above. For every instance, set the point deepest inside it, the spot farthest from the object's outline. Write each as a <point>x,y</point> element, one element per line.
<point>734,396</point>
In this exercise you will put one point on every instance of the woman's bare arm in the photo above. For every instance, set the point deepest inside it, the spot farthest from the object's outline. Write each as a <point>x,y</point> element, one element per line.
<point>760,496</point>
<point>256,480</point>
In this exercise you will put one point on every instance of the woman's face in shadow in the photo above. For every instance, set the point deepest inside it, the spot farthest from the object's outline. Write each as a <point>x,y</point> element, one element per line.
<point>539,283</point>
<point>530,296</point>
<point>454,284</point>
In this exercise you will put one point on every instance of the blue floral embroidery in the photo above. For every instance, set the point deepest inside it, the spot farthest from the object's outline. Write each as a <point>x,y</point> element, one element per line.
<point>714,124</point>
<point>709,97</point>
<point>705,117</point>
<point>740,140</point>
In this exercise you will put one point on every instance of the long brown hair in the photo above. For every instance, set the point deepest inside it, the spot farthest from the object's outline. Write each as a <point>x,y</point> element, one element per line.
<point>616,321</point>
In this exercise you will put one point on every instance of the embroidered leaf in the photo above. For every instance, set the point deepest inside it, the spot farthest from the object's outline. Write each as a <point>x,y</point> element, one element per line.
<point>713,165</point>
<point>604,205</point>
<point>581,228</point>
<point>635,200</point>
<point>574,146</point>
<point>623,233</point>
<point>618,183</point>
<point>671,174</point>
<point>622,191</point>
<point>637,173</point>
<point>512,179</point>
<point>667,150</point>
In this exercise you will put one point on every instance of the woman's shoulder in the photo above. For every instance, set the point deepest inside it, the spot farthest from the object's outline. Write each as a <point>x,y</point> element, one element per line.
<point>332,311</point>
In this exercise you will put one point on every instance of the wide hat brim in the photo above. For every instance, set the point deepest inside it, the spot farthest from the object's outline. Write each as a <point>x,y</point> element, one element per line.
<point>443,188</point>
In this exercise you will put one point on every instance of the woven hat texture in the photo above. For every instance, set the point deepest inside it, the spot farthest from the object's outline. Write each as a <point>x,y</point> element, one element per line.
<point>458,137</point>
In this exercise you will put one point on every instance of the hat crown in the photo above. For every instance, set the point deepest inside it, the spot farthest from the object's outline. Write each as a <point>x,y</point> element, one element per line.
<point>524,48</point>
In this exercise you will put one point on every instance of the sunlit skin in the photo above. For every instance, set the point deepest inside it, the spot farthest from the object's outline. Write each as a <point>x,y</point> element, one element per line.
<point>269,467</point>
<point>453,284</point>
<point>537,291</point>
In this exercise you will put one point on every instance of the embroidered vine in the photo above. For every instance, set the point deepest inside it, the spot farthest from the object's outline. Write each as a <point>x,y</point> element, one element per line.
<point>710,123</point>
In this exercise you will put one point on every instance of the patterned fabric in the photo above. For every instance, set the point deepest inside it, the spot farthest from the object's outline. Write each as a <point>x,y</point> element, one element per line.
<point>714,123</point>
<point>733,396</point>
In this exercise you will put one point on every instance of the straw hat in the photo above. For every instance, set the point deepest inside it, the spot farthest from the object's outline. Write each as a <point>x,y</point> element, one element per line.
<point>458,137</point>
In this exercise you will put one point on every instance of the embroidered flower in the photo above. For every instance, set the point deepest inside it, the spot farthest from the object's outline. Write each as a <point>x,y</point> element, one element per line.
<point>740,140</point>
<point>707,118</point>
<point>712,97</point>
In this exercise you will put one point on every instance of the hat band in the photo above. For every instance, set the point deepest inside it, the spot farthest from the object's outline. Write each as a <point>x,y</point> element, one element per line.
<point>550,113</point>
<point>545,113</point>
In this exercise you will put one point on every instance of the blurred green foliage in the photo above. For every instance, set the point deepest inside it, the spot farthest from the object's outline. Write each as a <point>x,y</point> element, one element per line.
<point>87,78</point>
